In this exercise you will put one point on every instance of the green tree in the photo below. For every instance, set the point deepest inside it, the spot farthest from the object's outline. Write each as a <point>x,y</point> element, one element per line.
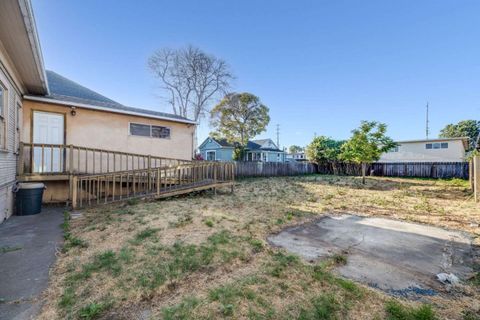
<point>323,149</point>
<point>367,144</point>
<point>295,149</point>
<point>465,128</point>
<point>239,117</point>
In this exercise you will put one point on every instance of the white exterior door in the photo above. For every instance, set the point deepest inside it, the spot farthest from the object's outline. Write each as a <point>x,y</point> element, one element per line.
<point>48,129</point>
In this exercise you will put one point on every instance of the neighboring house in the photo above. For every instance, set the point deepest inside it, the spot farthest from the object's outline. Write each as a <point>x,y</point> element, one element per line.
<point>298,156</point>
<point>216,150</point>
<point>264,150</point>
<point>432,150</point>
<point>38,106</point>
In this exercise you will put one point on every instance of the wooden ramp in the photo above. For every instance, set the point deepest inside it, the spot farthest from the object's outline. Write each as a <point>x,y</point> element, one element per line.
<point>162,182</point>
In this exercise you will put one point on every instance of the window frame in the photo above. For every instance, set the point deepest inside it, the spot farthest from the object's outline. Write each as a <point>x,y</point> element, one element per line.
<point>3,117</point>
<point>151,127</point>
<point>214,155</point>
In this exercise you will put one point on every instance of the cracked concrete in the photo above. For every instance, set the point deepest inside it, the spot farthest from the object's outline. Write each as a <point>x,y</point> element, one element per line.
<point>397,257</point>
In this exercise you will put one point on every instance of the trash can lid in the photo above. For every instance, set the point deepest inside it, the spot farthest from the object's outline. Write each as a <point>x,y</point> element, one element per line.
<point>30,185</point>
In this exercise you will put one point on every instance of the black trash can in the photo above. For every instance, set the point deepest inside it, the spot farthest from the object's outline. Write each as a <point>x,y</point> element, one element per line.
<point>28,198</point>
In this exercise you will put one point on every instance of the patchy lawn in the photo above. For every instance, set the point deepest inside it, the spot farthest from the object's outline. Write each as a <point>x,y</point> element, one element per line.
<point>205,256</point>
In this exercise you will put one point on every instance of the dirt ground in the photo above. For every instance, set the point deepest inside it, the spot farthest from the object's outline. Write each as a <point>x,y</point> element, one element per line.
<point>204,256</point>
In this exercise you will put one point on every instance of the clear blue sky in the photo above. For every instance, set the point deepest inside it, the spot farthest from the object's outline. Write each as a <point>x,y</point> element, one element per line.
<point>321,66</point>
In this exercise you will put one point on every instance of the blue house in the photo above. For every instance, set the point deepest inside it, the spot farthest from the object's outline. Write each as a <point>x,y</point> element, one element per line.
<point>264,150</point>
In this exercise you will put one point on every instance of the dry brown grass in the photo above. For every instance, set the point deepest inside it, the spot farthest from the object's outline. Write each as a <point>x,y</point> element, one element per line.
<point>113,276</point>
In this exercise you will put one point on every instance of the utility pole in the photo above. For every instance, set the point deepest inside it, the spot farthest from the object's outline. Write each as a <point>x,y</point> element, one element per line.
<point>278,136</point>
<point>427,130</point>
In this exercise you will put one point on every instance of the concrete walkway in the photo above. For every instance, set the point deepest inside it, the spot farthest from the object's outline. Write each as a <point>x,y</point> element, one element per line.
<point>397,257</point>
<point>27,250</point>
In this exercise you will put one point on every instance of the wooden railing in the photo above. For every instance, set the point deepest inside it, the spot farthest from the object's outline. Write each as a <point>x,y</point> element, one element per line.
<point>88,190</point>
<point>54,159</point>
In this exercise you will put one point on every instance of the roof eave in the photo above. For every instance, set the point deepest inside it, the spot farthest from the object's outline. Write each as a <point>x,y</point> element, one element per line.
<point>31,29</point>
<point>93,107</point>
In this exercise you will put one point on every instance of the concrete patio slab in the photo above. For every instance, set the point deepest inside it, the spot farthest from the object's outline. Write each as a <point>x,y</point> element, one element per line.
<point>398,257</point>
<point>27,250</point>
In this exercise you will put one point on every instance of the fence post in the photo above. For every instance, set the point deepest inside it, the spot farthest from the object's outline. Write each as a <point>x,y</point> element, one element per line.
<point>20,159</point>
<point>215,179</point>
<point>70,165</point>
<point>476,177</point>
<point>470,173</point>
<point>158,180</point>
<point>149,173</point>
<point>74,191</point>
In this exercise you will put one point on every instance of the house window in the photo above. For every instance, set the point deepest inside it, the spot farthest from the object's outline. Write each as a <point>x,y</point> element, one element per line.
<point>3,107</point>
<point>211,155</point>
<point>160,132</point>
<point>264,155</point>
<point>395,149</point>
<point>278,157</point>
<point>437,145</point>
<point>146,130</point>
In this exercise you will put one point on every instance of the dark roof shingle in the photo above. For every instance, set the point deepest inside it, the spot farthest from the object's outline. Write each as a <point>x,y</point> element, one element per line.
<point>64,89</point>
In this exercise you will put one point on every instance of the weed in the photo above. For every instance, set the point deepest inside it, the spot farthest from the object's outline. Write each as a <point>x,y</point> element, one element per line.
<point>396,311</point>
<point>144,234</point>
<point>106,261</point>
<point>68,298</point>
<point>92,310</point>
<point>183,310</point>
<point>182,221</point>
<point>257,245</point>
<point>9,249</point>
<point>133,201</point>
<point>126,255</point>
<point>323,307</point>
<point>349,286</point>
<point>339,259</point>
<point>470,315</point>
<point>209,223</point>
<point>222,237</point>
<point>73,241</point>
<point>281,261</point>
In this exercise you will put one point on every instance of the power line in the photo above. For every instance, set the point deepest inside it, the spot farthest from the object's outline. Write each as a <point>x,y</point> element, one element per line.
<point>278,135</point>
<point>427,129</point>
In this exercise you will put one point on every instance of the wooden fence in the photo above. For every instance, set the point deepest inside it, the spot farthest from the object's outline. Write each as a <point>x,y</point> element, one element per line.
<point>474,177</point>
<point>272,169</point>
<point>442,170</point>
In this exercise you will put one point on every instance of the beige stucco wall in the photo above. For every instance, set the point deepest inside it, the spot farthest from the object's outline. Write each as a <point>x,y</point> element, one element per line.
<point>106,130</point>
<point>416,152</point>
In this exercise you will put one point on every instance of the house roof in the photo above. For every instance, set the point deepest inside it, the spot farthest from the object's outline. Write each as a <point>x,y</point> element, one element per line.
<point>257,145</point>
<point>221,142</point>
<point>66,91</point>
<point>19,38</point>
<point>463,139</point>
<point>224,143</point>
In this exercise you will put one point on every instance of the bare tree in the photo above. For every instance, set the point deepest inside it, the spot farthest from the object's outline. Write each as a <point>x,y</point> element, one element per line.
<point>190,78</point>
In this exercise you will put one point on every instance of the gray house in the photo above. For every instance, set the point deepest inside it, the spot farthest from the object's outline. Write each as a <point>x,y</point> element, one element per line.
<point>264,150</point>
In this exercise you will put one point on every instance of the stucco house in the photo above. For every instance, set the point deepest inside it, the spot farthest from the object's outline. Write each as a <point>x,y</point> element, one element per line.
<point>264,150</point>
<point>431,150</point>
<point>52,127</point>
